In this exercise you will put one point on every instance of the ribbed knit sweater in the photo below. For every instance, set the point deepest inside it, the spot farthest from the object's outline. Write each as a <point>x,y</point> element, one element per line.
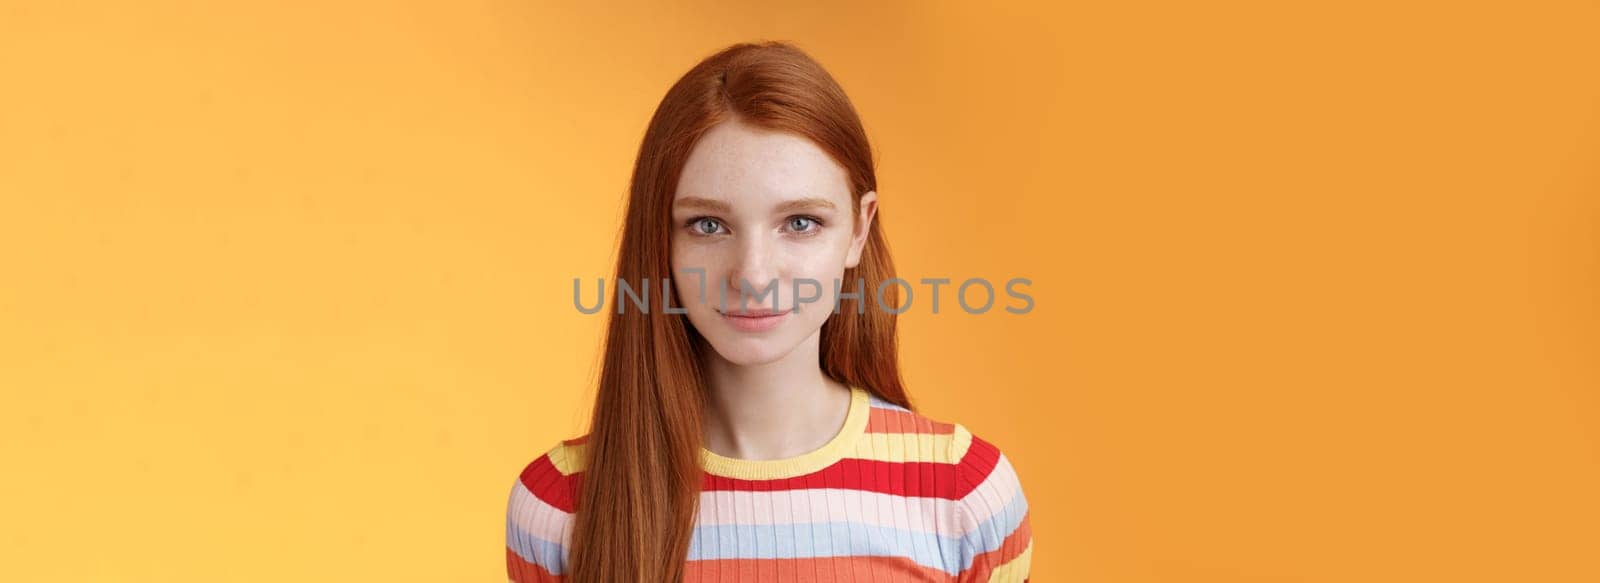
<point>893,497</point>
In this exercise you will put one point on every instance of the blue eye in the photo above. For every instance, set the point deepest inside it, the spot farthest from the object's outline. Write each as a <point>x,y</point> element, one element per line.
<point>804,224</point>
<point>704,225</point>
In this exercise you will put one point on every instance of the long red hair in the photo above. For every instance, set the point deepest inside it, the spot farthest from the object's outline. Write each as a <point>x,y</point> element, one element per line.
<point>641,485</point>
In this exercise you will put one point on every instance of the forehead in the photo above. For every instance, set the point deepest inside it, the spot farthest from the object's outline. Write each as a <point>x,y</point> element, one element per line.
<point>738,163</point>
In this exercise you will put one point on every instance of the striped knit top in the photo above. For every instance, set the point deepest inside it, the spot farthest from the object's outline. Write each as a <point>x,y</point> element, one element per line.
<point>893,497</point>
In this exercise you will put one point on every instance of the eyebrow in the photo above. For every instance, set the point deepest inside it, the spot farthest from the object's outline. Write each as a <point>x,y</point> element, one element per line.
<point>788,206</point>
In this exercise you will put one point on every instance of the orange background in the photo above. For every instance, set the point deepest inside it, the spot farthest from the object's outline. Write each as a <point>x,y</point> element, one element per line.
<point>288,290</point>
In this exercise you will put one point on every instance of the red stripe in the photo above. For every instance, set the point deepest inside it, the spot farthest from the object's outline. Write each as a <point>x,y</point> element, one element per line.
<point>548,484</point>
<point>976,465</point>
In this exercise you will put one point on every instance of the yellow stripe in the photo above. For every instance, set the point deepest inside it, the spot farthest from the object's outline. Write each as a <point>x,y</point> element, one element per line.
<point>906,447</point>
<point>961,441</point>
<point>569,459</point>
<point>1015,570</point>
<point>843,442</point>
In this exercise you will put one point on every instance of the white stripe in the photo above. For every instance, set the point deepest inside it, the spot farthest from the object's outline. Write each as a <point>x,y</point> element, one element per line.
<point>993,493</point>
<point>538,518</point>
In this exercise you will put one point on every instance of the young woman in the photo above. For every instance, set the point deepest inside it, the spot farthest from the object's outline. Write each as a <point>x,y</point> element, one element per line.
<point>750,423</point>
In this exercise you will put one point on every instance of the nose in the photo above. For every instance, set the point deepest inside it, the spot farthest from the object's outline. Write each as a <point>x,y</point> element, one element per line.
<point>755,267</point>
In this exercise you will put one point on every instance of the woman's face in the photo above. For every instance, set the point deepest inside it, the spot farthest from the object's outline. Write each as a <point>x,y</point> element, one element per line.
<point>768,209</point>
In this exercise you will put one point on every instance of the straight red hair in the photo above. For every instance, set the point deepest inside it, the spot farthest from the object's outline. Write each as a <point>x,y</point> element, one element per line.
<point>641,484</point>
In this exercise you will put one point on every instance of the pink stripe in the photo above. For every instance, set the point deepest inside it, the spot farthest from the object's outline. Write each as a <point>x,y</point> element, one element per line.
<point>744,507</point>
<point>538,518</point>
<point>880,420</point>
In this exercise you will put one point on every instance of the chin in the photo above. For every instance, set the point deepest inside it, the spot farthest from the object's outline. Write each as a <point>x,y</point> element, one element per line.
<point>751,351</point>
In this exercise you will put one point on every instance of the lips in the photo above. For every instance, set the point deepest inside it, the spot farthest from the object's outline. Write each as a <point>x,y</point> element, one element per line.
<point>754,320</point>
<point>752,313</point>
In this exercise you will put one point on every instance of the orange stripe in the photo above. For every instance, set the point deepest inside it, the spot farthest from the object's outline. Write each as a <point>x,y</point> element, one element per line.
<point>1013,545</point>
<point>812,570</point>
<point>881,420</point>
<point>520,570</point>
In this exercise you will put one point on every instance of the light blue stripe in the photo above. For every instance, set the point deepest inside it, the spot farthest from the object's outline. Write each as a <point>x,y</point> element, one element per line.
<point>536,550</point>
<point>803,540</point>
<point>992,532</point>
<point>872,399</point>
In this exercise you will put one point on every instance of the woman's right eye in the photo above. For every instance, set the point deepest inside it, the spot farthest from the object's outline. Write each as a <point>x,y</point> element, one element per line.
<point>704,225</point>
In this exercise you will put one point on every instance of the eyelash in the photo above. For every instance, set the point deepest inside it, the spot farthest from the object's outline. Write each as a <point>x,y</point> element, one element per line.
<point>690,224</point>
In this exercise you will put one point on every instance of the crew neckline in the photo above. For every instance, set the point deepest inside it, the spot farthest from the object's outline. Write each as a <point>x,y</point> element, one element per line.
<point>855,424</point>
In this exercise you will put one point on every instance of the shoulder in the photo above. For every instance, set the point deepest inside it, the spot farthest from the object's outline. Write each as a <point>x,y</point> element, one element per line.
<point>973,462</point>
<point>539,512</point>
<point>987,484</point>
<point>937,441</point>
<point>552,476</point>
<point>991,511</point>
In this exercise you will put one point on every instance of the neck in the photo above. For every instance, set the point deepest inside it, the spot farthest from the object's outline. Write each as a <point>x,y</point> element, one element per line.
<point>774,410</point>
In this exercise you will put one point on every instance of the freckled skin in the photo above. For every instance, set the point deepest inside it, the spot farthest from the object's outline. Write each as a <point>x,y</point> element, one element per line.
<point>753,171</point>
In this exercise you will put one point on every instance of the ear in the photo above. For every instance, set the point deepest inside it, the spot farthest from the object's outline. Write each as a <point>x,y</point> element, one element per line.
<point>868,212</point>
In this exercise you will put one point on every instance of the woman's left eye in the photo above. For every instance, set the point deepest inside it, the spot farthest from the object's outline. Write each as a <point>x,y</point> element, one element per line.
<point>804,224</point>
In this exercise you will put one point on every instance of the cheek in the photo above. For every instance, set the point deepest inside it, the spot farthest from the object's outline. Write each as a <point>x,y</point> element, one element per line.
<point>695,271</point>
<point>822,263</point>
<point>687,255</point>
<point>823,267</point>
<point>822,258</point>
